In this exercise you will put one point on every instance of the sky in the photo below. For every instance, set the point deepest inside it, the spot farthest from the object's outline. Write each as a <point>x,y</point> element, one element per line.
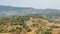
<point>38,4</point>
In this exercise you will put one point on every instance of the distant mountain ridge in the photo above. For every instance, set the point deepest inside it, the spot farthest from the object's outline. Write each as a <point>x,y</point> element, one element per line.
<point>9,11</point>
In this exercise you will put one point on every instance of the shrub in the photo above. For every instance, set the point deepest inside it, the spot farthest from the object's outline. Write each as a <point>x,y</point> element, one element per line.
<point>47,32</point>
<point>12,30</point>
<point>1,30</point>
<point>29,30</point>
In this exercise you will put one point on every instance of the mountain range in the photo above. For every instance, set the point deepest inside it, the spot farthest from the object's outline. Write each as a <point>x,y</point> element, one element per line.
<point>10,11</point>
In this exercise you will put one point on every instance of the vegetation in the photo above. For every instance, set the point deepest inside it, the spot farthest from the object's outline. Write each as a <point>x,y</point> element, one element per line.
<point>20,23</point>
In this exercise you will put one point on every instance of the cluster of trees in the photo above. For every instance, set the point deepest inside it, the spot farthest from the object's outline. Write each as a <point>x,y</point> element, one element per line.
<point>13,20</point>
<point>19,20</point>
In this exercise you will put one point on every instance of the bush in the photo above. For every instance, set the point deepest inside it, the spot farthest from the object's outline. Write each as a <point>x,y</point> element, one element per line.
<point>18,29</point>
<point>54,26</point>
<point>29,30</point>
<point>59,33</point>
<point>1,30</point>
<point>47,32</point>
<point>12,30</point>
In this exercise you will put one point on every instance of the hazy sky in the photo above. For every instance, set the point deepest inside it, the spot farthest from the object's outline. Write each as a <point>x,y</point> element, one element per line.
<point>32,3</point>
